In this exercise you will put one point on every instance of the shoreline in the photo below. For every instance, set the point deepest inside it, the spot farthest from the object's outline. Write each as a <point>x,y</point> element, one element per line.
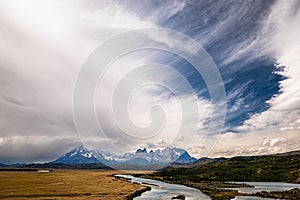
<point>170,191</point>
<point>137,192</point>
<point>215,192</point>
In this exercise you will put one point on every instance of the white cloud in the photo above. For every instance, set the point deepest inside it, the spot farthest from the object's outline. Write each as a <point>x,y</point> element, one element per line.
<point>281,33</point>
<point>255,143</point>
<point>182,110</point>
<point>273,142</point>
<point>286,128</point>
<point>42,46</point>
<point>285,41</point>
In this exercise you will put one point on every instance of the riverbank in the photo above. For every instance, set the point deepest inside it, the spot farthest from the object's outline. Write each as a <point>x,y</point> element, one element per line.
<point>214,189</point>
<point>218,190</point>
<point>212,178</point>
<point>136,193</point>
<point>293,194</point>
<point>162,190</point>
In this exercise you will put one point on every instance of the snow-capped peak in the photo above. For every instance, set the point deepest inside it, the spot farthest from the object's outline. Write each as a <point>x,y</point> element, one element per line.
<point>159,156</point>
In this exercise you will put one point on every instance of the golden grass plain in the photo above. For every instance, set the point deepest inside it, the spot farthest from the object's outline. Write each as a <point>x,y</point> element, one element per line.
<point>65,184</point>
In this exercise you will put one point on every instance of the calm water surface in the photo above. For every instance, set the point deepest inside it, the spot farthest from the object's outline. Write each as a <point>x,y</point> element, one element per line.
<point>161,190</point>
<point>263,186</point>
<point>266,186</point>
<point>165,190</point>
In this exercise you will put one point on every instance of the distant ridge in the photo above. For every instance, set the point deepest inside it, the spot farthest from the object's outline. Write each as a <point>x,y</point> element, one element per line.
<point>2,165</point>
<point>206,160</point>
<point>68,166</point>
<point>200,161</point>
<point>296,152</point>
<point>82,158</point>
<point>81,155</point>
<point>283,167</point>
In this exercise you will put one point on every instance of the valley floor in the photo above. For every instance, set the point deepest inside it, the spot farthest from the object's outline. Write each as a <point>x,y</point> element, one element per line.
<point>65,184</point>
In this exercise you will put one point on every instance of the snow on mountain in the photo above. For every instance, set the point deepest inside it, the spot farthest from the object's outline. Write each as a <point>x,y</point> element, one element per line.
<point>140,157</point>
<point>185,158</point>
<point>78,155</point>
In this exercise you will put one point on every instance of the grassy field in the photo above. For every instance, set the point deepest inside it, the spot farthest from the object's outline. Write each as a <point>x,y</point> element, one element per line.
<point>65,184</point>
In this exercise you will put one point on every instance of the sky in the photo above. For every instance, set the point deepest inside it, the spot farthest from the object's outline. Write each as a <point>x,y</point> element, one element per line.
<point>149,97</point>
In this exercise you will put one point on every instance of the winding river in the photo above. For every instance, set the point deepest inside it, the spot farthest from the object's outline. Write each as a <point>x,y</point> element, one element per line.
<point>161,190</point>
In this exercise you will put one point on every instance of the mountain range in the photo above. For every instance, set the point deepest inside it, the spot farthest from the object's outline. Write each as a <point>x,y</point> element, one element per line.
<point>160,159</point>
<point>164,156</point>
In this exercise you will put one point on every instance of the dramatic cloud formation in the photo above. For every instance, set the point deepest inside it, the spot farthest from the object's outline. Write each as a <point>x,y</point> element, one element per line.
<point>42,47</point>
<point>276,129</point>
<point>254,44</point>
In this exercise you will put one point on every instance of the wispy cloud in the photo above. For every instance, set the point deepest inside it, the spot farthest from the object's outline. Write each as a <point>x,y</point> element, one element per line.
<point>284,107</point>
<point>43,45</point>
<point>40,59</point>
<point>275,129</point>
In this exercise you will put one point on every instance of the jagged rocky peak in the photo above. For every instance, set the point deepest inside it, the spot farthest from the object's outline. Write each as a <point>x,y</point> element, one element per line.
<point>141,150</point>
<point>159,156</point>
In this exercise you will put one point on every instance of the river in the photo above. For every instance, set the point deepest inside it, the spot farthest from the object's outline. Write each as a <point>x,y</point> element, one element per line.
<point>161,190</point>
<point>263,186</point>
<point>266,186</point>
